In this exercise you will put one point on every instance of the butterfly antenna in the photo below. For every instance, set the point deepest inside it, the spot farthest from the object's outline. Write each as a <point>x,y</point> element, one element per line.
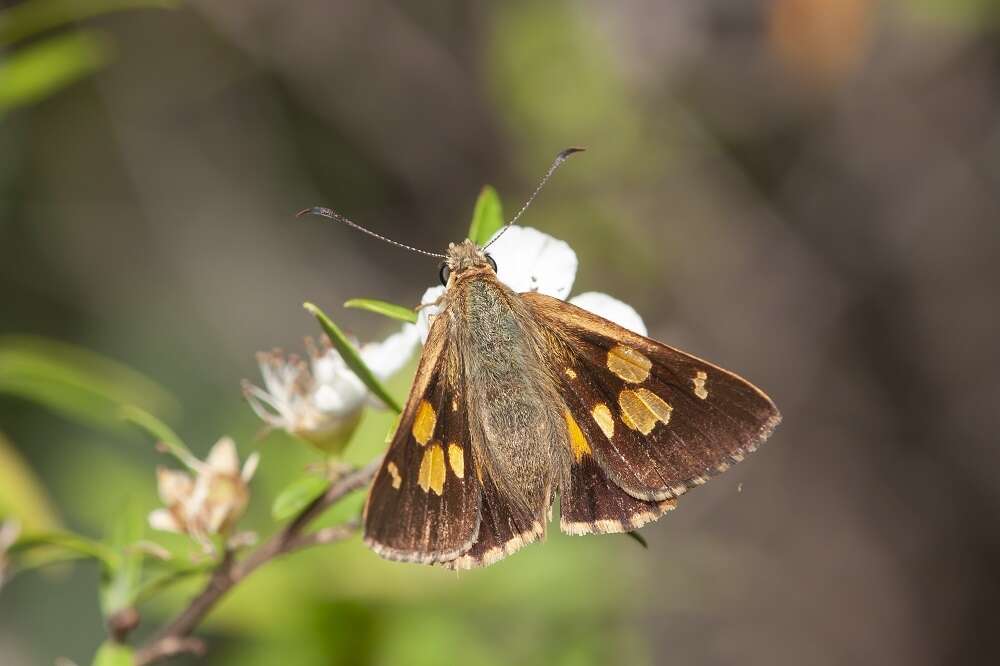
<point>560,158</point>
<point>333,215</point>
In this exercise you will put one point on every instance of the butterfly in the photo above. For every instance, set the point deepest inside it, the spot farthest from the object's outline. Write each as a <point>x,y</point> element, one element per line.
<point>521,397</point>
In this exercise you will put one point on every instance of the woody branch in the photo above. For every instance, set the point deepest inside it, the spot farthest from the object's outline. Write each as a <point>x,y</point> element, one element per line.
<point>175,637</point>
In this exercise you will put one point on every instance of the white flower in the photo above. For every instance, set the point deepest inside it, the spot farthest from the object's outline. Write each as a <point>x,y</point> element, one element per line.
<point>212,501</point>
<point>321,401</point>
<point>529,260</point>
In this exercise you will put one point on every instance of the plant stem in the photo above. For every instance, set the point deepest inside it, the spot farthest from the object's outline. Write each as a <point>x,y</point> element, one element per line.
<point>174,637</point>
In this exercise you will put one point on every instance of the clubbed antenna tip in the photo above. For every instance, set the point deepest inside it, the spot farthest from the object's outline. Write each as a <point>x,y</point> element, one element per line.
<point>560,158</point>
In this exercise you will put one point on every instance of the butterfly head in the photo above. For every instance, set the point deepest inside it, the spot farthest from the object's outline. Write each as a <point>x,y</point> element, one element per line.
<point>463,260</point>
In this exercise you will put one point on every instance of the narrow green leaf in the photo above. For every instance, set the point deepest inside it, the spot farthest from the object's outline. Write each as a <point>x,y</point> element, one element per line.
<point>487,217</point>
<point>161,432</point>
<point>162,581</point>
<point>31,18</point>
<point>22,494</point>
<point>390,310</point>
<point>641,540</point>
<point>351,357</point>
<point>75,382</point>
<point>113,654</point>
<point>121,583</point>
<point>76,544</point>
<point>38,70</point>
<point>297,496</point>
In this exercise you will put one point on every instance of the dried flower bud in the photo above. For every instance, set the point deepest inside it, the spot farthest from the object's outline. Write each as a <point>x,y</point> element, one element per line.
<point>212,501</point>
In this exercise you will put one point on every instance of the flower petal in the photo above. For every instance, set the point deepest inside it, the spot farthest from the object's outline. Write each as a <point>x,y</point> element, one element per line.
<point>266,406</point>
<point>164,520</point>
<point>427,311</point>
<point>327,366</point>
<point>223,458</point>
<point>387,357</point>
<point>612,309</point>
<point>250,466</point>
<point>173,486</point>
<point>338,400</point>
<point>529,260</point>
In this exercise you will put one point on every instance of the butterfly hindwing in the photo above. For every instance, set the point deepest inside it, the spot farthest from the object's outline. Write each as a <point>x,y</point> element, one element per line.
<point>503,530</point>
<point>656,421</point>
<point>424,502</point>
<point>591,503</point>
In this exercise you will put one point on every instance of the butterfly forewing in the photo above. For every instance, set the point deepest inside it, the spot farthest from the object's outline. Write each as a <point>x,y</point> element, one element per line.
<point>424,501</point>
<point>657,421</point>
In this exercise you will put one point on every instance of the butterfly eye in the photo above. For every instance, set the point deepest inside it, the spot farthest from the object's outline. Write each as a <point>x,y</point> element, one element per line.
<point>444,273</point>
<point>492,263</point>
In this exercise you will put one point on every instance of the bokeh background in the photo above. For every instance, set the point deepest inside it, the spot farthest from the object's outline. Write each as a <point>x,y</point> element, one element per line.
<point>804,191</point>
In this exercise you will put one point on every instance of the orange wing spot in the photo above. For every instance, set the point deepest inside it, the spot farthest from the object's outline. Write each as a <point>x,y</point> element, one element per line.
<point>642,409</point>
<point>397,480</point>
<point>456,460</point>
<point>629,364</point>
<point>577,442</point>
<point>571,373</point>
<point>432,470</point>
<point>424,422</point>
<point>605,421</point>
<point>699,380</point>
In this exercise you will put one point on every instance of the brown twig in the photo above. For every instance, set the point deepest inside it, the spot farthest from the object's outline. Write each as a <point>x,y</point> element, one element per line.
<point>174,637</point>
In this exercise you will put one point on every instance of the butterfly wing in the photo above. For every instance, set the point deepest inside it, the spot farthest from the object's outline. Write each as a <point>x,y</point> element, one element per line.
<point>650,419</point>
<point>503,530</point>
<point>423,505</point>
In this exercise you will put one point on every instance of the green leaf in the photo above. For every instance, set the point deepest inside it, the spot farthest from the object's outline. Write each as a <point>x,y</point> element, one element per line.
<point>75,382</point>
<point>22,495</point>
<point>390,310</point>
<point>39,70</point>
<point>113,654</point>
<point>121,583</point>
<point>487,217</point>
<point>641,540</point>
<point>57,544</point>
<point>297,496</point>
<point>26,19</point>
<point>351,357</point>
<point>161,432</point>
<point>164,580</point>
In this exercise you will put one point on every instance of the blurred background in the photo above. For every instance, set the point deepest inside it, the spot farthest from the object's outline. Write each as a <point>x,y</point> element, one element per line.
<point>803,191</point>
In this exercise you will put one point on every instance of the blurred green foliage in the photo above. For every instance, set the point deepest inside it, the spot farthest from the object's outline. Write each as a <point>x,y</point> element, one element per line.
<point>33,71</point>
<point>76,383</point>
<point>21,493</point>
<point>36,71</point>
<point>27,19</point>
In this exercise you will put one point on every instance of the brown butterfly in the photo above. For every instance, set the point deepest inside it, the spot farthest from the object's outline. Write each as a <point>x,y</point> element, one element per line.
<point>522,397</point>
